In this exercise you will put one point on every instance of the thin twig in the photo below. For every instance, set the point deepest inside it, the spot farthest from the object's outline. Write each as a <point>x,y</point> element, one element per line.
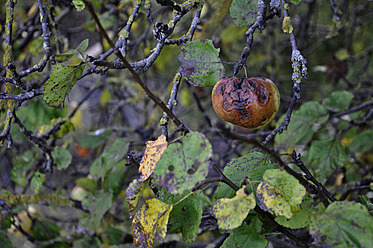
<point>148,93</point>
<point>259,25</point>
<point>299,71</point>
<point>362,106</point>
<point>335,10</point>
<point>39,142</point>
<point>21,97</point>
<point>261,212</point>
<point>285,123</point>
<point>280,228</point>
<point>323,193</point>
<point>171,103</point>
<point>363,184</point>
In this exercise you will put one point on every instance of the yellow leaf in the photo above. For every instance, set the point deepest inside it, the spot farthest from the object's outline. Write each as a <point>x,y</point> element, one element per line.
<point>231,212</point>
<point>77,119</point>
<point>150,223</point>
<point>153,152</point>
<point>346,141</point>
<point>286,25</point>
<point>105,96</point>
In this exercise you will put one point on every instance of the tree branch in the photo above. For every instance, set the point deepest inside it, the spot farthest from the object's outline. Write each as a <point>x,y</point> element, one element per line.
<point>148,93</point>
<point>299,71</point>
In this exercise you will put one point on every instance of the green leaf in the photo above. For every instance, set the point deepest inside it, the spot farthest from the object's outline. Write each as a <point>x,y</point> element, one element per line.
<point>79,5</point>
<point>63,244</point>
<point>64,129</point>
<point>82,46</point>
<point>362,142</point>
<point>343,224</point>
<point>95,139</point>
<point>37,181</point>
<point>184,165</point>
<point>67,55</point>
<point>107,19</point>
<point>243,12</point>
<point>112,154</point>
<point>246,236</point>
<point>23,163</point>
<point>37,113</point>
<point>326,156</point>
<point>45,230</point>
<point>280,193</point>
<point>299,219</point>
<point>97,205</point>
<point>4,241</point>
<point>60,82</point>
<point>36,46</point>
<point>6,218</point>
<point>186,217</point>
<point>338,101</point>
<point>200,63</point>
<point>62,157</point>
<point>63,57</point>
<point>295,1</point>
<point>115,235</point>
<point>87,183</point>
<point>114,181</point>
<point>301,122</point>
<point>366,202</point>
<point>231,212</point>
<point>252,166</point>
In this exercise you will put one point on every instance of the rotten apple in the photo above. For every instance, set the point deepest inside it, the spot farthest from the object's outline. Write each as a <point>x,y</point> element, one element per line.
<point>247,102</point>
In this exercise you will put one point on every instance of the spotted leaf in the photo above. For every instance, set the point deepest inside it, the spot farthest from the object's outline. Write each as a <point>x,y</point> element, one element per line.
<point>231,212</point>
<point>183,165</point>
<point>153,152</point>
<point>200,63</point>
<point>280,193</point>
<point>150,223</point>
<point>60,82</point>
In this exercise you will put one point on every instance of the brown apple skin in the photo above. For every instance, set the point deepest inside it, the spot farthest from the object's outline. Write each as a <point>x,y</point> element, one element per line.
<point>247,102</point>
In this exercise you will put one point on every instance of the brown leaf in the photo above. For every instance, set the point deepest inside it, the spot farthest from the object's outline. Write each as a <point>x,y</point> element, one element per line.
<point>153,152</point>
